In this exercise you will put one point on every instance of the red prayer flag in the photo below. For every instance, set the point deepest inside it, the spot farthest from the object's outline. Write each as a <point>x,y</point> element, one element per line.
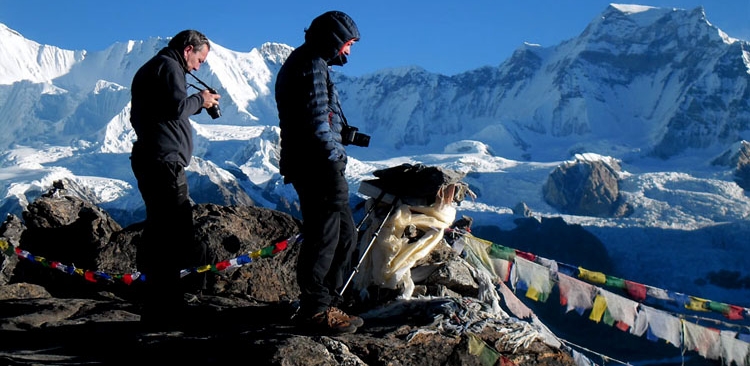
<point>563,299</point>
<point>529,256</point>
<point>622,326</point>
<point>222,265</point>
<point>505,361</point>
<point>280,246</point>
<point>89,276</point>
<point>735,312</point>
<point>635,291</point>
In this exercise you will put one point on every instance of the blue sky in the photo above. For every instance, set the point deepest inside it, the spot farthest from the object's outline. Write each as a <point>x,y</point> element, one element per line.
<point>441,36</point>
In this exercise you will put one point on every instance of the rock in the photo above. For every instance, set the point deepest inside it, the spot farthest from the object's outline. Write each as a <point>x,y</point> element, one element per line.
<point>23,291</point>
<point>521,209</point>
<point>585,187</point>
<point>48,316</point>
<point>11,229</point>
<point>742,173</point>
<point>737,157</point>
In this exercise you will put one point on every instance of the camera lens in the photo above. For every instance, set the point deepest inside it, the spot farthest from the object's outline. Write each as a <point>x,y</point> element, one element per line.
<point>214,112</point>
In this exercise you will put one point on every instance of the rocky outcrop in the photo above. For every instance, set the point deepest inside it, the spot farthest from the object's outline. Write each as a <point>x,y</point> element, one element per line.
<point>89,314</point>
<point>737,157</point>
<point>587,187</point>
<point>742,173</point>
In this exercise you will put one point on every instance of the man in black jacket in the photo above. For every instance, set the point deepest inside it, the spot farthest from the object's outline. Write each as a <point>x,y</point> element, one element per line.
<point>313,160</point>
<point>160,111</point>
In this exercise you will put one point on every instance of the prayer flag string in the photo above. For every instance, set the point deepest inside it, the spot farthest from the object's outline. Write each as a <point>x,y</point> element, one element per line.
<point>634,290</point>
<point>129,278</point>
<point>534,275</point>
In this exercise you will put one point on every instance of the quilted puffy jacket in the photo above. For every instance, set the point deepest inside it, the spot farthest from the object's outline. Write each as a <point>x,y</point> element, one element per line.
<point>310,115</point>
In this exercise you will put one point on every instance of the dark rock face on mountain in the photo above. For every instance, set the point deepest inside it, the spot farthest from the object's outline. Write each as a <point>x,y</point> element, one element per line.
<point>737,157</point>
<point>89,314</point>
<point>742,174</point>
<point>588,188</point>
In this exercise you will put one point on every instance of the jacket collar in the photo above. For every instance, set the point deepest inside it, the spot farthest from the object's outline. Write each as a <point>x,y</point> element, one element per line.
<point>174,54</point>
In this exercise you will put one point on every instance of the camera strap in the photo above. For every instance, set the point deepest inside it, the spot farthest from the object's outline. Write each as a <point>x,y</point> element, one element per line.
<point>199,81</point>
<point>343,118</point>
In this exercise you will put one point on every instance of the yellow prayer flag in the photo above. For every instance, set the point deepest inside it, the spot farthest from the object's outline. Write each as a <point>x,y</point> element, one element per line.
<point>591,276</point>
<point>600,305</point>
<point>475,345</point>
<point>697,304</point>
<point>532,293</point>
<point>203,268</point>
<point>487,355</point>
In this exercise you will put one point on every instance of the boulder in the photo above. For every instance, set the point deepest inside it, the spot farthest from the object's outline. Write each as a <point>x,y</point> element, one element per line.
<point>586,187</point>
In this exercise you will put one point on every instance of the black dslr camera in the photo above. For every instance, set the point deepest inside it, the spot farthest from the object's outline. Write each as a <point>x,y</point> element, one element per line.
<point>350,136</point>
<point>214,111</point>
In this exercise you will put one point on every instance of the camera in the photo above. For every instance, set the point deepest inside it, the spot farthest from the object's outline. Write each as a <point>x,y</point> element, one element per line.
<point>350,136</point>
<point>214,111</point>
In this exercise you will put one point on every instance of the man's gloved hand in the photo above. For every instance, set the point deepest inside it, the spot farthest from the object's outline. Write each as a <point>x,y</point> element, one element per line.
<point>337,154</point>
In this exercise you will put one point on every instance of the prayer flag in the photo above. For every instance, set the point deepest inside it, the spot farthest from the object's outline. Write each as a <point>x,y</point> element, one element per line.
<point>591,276</point>
<point>600,305</point>
<point>635,291</point>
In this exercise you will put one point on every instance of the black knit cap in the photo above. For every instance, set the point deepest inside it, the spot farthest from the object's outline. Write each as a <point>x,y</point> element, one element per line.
<point>330,31</point>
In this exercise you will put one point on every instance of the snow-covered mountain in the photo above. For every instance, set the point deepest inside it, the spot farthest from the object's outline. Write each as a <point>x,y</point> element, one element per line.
<point>636,81</point>
<point>663,91</point>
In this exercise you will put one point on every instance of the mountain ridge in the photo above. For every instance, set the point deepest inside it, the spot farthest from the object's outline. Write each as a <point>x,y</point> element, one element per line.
<point>582,81</point>
<point>506,126</point>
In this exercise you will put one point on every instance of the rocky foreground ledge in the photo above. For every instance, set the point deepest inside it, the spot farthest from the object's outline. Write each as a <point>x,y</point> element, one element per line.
<point>86,316</point>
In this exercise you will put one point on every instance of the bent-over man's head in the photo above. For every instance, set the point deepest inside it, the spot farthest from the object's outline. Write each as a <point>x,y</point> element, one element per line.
<point>193,45</point>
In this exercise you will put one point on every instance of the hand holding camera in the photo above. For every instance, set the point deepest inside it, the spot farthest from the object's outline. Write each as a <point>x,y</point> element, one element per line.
<point>211,102</point>
<point>210,98</point>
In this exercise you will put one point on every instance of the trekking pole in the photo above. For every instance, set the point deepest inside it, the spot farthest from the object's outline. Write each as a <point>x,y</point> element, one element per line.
<point>371,209</point>
<point>367,250</point>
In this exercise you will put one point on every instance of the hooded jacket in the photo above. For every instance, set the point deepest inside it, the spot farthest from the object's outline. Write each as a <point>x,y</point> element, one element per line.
<point>161,108</point>
<point>310,115</point>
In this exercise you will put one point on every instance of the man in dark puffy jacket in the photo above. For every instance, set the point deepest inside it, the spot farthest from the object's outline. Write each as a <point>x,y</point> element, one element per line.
<point>313,160</point>
<point>160,111</point>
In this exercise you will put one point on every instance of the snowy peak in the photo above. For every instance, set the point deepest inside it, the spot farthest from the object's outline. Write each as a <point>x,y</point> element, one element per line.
<point>243,79</point>
<point>116,64</point>
<point>637,25</point>
<point>28,60</point>
<point>642,15</point>
<point>638,80</point>
<point>647,16</point>
<point>275,53</point>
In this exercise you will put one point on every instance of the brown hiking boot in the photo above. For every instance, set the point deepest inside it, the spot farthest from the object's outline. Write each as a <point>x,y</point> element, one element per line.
<point>331,321</point>
<point>353,319</point>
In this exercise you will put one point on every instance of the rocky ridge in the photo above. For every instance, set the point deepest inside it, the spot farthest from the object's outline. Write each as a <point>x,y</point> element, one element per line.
<point>50,316</point>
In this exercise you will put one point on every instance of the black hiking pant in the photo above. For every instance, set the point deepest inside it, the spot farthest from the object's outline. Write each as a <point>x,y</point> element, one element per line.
<point>168,243</point>
<point>329,240</point>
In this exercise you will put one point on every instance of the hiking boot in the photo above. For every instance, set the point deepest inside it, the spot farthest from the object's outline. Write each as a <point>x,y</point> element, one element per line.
<point>331,321</point>
<point>353,319</point>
